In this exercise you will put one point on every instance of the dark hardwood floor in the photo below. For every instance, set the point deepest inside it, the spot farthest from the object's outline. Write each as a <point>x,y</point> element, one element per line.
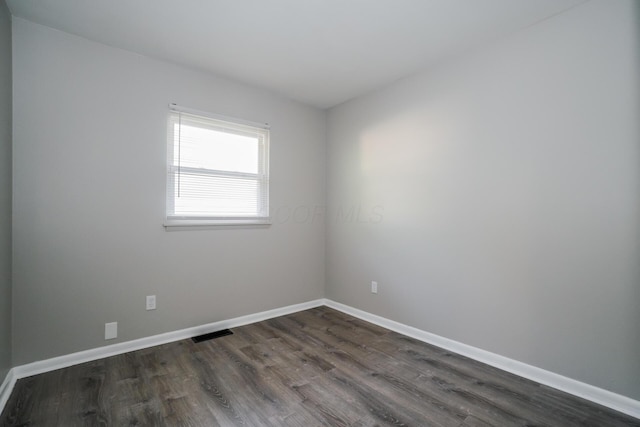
<point>314,368</point>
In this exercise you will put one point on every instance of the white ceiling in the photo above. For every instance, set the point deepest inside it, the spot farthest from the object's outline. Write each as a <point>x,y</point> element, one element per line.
<point>320,52</point>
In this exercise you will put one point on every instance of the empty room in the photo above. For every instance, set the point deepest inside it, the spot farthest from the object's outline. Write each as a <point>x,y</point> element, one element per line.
<point>320,213</point>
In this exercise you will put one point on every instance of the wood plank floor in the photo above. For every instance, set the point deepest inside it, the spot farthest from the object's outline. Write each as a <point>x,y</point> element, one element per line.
<point>313,368</point>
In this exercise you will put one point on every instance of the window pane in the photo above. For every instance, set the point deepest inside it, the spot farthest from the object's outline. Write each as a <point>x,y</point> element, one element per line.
<point>213,149</point>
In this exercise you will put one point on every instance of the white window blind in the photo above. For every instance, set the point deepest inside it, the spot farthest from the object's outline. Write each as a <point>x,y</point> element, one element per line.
<point>218,170</point>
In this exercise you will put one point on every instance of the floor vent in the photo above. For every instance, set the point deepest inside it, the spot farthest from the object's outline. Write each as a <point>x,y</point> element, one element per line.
<point>212,335</point>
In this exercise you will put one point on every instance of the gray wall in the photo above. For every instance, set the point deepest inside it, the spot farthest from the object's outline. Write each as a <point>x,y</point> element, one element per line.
<point>5,191</point>
<point>89,200</point>
<point>499,198</point>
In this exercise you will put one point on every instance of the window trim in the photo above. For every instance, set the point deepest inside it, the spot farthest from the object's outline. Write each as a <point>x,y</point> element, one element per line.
<point>208,222</point>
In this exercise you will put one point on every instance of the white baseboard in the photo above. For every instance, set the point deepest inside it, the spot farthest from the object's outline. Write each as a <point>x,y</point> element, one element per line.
<point>603,397</point>
<point>598,395</point>
<point>6,387</point>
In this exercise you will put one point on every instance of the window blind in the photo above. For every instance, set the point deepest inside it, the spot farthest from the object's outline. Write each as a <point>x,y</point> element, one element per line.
<point>218,170</point>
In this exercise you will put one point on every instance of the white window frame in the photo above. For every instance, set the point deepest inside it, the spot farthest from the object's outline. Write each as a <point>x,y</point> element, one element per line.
<point>232,125</point>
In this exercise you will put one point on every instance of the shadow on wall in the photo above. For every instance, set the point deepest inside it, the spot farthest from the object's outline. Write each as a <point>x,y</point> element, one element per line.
<point>636,24</point>
<point>636,90</point>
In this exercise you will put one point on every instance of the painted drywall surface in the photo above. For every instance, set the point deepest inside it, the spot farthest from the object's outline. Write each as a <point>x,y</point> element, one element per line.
<point>5,191</point>
<point>499,198</point>
<point>89,200</point>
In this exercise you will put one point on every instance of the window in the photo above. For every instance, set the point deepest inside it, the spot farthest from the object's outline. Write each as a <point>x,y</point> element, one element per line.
<point>218,170</point>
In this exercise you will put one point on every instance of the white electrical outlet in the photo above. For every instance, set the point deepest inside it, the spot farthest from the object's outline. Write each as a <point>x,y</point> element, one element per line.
<point>110,330</point>
<point>151,302</point>
<point>374,287</point>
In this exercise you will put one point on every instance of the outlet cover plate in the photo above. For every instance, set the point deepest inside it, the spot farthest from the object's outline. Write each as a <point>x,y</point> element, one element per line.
<point>151,302</point>
<point>110,330</point>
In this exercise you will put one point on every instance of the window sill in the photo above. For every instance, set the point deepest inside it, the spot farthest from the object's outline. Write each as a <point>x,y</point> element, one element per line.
<point>176,225</point>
